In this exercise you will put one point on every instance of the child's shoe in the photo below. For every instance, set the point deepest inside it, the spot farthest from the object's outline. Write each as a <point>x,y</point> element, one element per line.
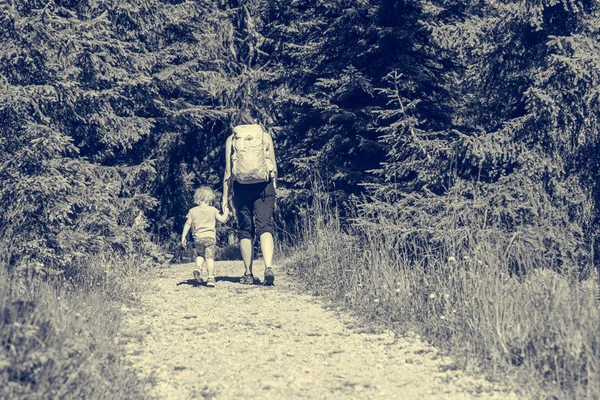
<point>247,279</point>
<point>197,276</point>
<point>210,282</point>
<point>269,276</point>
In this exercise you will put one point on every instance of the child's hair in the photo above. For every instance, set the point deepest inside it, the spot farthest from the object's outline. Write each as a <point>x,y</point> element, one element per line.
<point>203,195</point>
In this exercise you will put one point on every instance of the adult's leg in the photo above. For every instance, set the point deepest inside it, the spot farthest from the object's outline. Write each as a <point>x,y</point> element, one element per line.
<point>263,219</point>
<point>267,247</point>
<point>246,249</point>
<point>243,204</point>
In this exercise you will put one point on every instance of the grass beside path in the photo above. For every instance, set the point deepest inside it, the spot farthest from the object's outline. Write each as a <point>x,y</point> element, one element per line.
<point>537,333</point>
<point>57,335</point>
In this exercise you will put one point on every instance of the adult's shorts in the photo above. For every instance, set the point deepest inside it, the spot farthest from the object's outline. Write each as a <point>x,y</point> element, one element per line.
<point>254,204</point>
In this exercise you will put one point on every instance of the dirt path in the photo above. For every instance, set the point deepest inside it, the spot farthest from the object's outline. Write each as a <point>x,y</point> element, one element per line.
<point>256,342</point>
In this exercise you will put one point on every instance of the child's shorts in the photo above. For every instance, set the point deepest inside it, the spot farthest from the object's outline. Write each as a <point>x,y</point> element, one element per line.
<point>205,247</point>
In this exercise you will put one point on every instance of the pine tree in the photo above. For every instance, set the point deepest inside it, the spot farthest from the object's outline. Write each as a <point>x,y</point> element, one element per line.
<point>65,126</point>
<point>504,158</point>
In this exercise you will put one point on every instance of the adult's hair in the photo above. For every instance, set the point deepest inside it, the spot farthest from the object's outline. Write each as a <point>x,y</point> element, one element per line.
<point>245,116</point>
<point>203,195</point>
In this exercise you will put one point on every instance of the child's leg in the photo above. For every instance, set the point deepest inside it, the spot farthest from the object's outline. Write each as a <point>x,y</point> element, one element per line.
<point>198,271</point>
<point>210,263</point>
<point>199,262</point>
<point>209,253</point>
<point>210,266</point>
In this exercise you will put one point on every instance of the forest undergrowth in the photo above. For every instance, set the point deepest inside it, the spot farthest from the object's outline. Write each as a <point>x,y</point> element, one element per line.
<point>58,332</point>
<point>536,332</point>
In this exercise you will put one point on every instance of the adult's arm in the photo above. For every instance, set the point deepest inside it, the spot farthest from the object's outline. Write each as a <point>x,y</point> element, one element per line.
<point>271,153</point>
<point>227,175</point>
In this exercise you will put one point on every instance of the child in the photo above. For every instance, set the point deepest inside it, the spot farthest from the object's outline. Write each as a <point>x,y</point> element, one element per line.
<point>202,220</point>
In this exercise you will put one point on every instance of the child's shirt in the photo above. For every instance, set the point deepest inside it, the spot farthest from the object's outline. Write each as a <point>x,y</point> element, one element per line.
<point>203,219</point>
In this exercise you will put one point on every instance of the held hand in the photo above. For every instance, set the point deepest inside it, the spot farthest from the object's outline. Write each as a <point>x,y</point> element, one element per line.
<point>183,242</point>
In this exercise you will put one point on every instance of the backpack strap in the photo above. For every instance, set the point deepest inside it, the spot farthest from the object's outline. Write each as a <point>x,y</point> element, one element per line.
<point>231,160</point>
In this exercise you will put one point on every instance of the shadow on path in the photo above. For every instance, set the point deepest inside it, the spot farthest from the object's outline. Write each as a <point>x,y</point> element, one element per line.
<point>191,282</point>
<point>232,279</point>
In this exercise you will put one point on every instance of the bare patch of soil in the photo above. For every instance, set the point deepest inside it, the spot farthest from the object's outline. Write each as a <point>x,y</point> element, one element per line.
<point>236,341</point>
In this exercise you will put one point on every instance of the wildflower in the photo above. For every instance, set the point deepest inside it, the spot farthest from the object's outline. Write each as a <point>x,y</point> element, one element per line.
<point>398,291</point>
<point>446,296</point>
<point>376,301</point>
<point>432,296</point>
<point>442,317</point>
<point>451,259</point>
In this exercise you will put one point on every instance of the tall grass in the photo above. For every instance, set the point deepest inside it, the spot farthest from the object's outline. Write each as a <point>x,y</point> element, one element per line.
<point>58,334</point>
<point>538,331</point>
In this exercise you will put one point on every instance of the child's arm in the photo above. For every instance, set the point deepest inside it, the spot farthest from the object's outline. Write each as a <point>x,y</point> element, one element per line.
<point>186,229</point>
<point>222,217</point>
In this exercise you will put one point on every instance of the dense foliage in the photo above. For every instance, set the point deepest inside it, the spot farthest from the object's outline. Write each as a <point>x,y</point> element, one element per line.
<point>116,110</point>
<point>513,158</point>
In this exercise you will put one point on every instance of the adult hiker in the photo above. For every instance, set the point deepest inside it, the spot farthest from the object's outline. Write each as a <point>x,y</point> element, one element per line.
<point>251,173</point>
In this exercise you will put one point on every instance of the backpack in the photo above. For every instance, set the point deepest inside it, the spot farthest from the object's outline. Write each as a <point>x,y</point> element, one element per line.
<point>249,157</point>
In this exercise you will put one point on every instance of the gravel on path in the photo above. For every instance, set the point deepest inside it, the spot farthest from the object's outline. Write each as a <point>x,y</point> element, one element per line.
<point>189,341</point>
